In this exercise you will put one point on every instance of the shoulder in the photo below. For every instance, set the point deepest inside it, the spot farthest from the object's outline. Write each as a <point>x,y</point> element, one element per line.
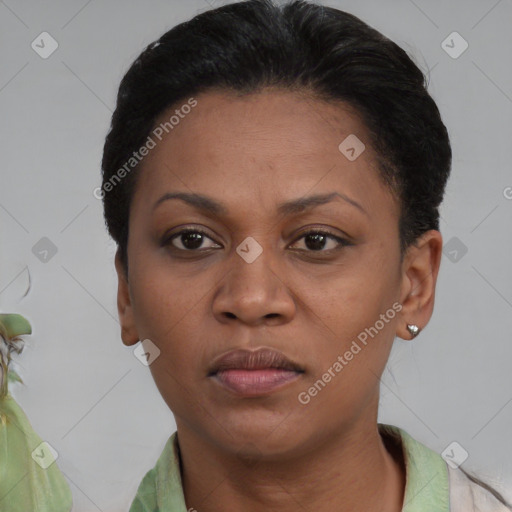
<point>145,499</point>
<point>432,484</point>
<point>467,495</point>
<point>161,488</point>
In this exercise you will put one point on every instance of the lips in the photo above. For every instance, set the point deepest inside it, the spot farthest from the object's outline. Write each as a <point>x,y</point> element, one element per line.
<point>253,360</point>
<point>254,372</point>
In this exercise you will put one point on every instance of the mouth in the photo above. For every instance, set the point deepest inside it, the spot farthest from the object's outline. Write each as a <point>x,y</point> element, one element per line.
<point>254,372</point>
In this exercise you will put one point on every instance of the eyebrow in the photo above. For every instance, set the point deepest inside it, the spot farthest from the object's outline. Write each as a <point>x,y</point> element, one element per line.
<point>209,205</point>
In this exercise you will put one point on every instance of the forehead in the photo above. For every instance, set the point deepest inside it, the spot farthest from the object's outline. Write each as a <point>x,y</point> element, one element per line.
<point>300,120</point>
<point>264,145</point>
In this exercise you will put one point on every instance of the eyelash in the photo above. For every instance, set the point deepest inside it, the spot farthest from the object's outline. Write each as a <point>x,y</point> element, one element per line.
<point>341,241</point>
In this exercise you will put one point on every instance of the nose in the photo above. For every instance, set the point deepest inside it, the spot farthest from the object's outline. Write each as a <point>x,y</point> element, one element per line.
<point>254,293</point>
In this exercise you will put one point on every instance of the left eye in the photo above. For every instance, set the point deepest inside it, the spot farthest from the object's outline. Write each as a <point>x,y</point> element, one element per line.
<point>315,241</point>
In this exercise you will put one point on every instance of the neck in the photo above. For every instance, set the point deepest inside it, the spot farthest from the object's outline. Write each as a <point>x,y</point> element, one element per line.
<point>353,471</point>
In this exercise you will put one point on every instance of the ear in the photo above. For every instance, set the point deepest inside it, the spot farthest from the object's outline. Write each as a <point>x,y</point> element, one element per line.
<point>420,268</point>
<point>124,304</point>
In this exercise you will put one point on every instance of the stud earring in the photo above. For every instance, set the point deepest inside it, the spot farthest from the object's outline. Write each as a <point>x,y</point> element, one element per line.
<point>414,330</point>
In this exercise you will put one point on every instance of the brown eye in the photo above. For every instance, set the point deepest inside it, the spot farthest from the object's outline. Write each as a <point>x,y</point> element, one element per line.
<point>189,239</point>
<point>317,240</point>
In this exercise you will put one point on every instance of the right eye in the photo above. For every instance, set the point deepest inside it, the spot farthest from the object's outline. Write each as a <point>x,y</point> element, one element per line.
<point>190,240</point>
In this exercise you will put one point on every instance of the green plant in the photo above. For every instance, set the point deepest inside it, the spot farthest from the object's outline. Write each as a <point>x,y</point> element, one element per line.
<point>30,479</point>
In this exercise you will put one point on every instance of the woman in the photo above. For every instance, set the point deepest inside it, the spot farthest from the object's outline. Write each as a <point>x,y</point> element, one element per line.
<point>272,178</point>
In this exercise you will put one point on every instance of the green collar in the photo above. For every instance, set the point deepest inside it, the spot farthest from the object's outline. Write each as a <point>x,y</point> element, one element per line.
<point>427,486</point>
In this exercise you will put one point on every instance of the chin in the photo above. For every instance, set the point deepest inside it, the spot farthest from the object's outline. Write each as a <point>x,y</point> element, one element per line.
<point>256,436</point>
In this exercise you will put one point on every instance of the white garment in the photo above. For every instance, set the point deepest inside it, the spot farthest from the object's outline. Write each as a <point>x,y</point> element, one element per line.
<point>468,496</point>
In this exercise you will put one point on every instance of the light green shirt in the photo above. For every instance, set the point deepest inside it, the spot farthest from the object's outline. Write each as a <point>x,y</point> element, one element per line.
<point>427,479</point>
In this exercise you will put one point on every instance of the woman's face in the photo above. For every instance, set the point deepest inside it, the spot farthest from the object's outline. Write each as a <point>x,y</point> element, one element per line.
<point>197,297</point>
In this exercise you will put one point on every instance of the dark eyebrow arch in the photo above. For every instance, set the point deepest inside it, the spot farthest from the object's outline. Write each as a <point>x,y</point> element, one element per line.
<point>209,205</point>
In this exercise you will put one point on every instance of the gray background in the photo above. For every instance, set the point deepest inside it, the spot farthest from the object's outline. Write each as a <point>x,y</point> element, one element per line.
<point>86,393</point>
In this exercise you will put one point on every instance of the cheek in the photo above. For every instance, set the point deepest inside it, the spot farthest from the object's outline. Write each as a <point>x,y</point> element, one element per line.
<point>179,372</point>
<point>173,380</point>
<point>355,300</point>
<point>161,301</point>
<point>345,376</point>
<point>356,317</point>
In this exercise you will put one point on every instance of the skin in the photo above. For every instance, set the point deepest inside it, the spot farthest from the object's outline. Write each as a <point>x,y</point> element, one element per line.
<point>251,153</point>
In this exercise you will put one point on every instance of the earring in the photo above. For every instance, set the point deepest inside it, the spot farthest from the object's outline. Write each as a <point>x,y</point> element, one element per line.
<point>414,330</point>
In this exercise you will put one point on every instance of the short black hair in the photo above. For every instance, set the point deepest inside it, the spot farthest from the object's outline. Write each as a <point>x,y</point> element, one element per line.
<point>246,46</point>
